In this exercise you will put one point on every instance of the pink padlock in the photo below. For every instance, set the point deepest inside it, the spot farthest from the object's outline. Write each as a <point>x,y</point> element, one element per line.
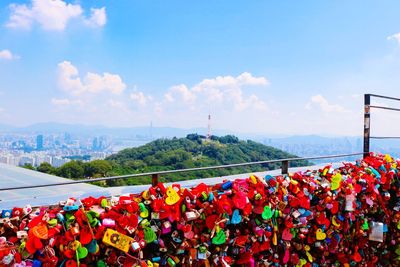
<point>108,222</point>
<point>166,227</point>
<point>27,209</point>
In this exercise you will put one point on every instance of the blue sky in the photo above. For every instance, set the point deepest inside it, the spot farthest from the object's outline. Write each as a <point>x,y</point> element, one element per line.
<point>281,67</point>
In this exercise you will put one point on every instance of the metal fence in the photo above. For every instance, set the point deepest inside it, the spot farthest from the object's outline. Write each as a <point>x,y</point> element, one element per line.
<point>367,119</point>
<point>285,163</point>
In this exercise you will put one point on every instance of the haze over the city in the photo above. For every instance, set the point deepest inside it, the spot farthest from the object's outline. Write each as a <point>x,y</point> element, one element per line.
<point>258,67</point>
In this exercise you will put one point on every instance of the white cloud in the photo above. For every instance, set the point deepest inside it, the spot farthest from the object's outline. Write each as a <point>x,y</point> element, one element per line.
<point>168,97</point>
<point>52,15</point>
<point>7,55</point>
<point>252,101</point>
<point>227,98</point>
<point>65,102</point>
<point>182,91</point>
<point>228,81</point>
<point>324,105</point>
<point>98,17</point>
<point>21,17</point>
<point>69,80</point>
<point>222,89</point>
<point>395,37</point>
<point>140,98</point>
<point>95,83</point>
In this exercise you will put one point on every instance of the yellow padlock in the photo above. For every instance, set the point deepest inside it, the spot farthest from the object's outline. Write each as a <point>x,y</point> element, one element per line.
<point>117,240</point>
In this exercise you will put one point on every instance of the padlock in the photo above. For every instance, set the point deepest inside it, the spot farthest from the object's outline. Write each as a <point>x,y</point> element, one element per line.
<point>130,229</point>
<point>6,213</point>
<point>70,208</point>
<point>22,234</point>
<point>117,240</point>
<point>108,222</point>
<point>75,230</point>
<point>8,259</point>
<point>135,246</point>
<point>191,215</point>
<point>166,227</point>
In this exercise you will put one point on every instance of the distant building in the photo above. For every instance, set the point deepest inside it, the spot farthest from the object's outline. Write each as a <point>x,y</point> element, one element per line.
<point>102,143</point>
<point>67,138</point>
<point>13,160</point>
<point>95,144</point>
<point>39,142</point>
<point>20,144</point>
<point>58,161</point>
<point>39,159</point>
<point>26,160</point>
<point>5,159</point>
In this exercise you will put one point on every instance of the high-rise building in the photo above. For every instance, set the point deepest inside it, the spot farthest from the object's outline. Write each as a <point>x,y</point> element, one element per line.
<point>39,142</point>
<point>67,138</point>
<point>103,143</point>
<point>95,144</point>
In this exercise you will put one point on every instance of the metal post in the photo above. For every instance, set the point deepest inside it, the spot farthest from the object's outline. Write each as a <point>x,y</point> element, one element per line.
<point>367,123</point>
<point>154,179</point>
<point>285,166</point>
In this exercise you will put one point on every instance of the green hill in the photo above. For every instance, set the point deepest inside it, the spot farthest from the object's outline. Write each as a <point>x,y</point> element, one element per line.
<point>195,151</point>
<point>176,153</point>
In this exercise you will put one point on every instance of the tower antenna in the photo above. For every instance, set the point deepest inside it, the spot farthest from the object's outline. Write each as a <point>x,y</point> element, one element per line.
<point>209,127</point>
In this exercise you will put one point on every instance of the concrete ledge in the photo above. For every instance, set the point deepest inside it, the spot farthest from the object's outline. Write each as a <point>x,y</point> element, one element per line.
<point>14,176</point>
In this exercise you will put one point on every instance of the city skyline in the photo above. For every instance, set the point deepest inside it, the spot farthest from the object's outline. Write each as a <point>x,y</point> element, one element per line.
<point>27,146</point>
<point>127,64</point>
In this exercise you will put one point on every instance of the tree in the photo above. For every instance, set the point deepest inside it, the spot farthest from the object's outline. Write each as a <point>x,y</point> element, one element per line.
<point>193,137</point>
<point>28,166</point>
<point>134,164</point>
<point>192,151</point>
<point>228,139</point>
<point>97,168</point>
<point>72,169</point>
<point>45,167</point>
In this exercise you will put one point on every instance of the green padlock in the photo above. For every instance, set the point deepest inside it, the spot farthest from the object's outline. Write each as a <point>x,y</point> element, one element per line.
<point>104,203</point>
<point>365,225</point>
<point>267,213</point>
<point>219,238</point>
<point>149,235</point>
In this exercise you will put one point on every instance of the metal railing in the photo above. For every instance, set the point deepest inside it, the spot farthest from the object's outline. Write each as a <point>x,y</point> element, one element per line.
<point>156,174</point>
<point>284,162</point>
<point>367,120</point>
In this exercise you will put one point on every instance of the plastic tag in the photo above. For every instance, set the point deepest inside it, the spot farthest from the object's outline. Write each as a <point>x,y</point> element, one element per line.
<point>117,240</point>
<point>376,232</point>
<point>349,203</point>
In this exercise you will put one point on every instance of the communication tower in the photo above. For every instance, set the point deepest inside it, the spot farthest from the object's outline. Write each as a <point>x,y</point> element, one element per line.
<point>209,127</point>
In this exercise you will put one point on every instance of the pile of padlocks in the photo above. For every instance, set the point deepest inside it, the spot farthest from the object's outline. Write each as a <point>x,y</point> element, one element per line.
<point>348,216</point>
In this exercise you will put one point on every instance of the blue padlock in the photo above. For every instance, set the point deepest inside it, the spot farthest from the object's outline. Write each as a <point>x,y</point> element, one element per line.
<point>71,208</point>
<point>6,213</point>
<point>227,185</point>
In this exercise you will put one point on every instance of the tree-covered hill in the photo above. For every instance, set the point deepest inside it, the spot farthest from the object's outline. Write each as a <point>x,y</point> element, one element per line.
<point>176,153</point>
<point>195,151</point>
